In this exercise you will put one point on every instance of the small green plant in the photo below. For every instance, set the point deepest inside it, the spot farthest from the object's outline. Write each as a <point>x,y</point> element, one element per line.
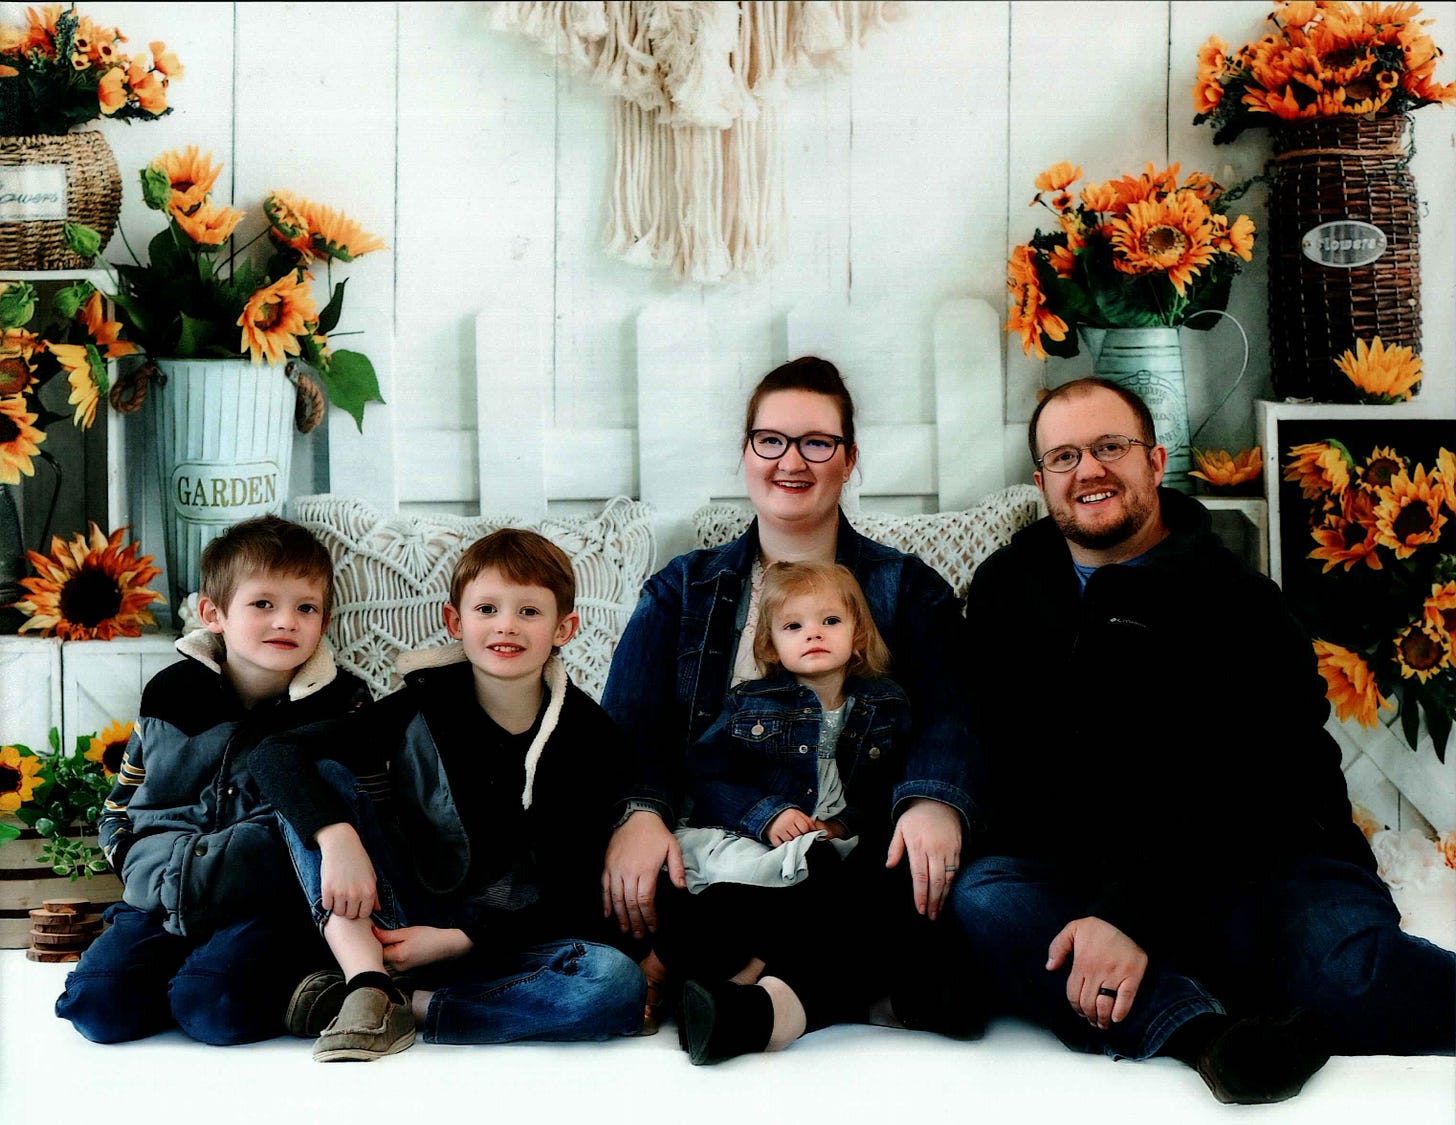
<point>62,792</point>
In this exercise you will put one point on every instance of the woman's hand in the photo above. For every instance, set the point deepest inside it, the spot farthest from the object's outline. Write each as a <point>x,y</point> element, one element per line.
<point>635,855</point>
<point>929,832</point>
<point>413,946</point>
<point>788,825</point>
<point>346,874</point>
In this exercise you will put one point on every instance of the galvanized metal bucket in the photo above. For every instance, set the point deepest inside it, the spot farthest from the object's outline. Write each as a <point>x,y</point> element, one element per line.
<point>1150,362</point>
<point>224,439</point>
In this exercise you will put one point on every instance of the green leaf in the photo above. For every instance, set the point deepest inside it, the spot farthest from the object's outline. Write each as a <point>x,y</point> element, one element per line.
<point>17,304</point>
<point>350,382</point>
<point>196,336</point>
<point>68,301</point>
<point>8,832</point>
<point>45,826</point>
<point>329,317</point>
<point>166,256</point>
<point>1410,720</point>
<point>54,737</point>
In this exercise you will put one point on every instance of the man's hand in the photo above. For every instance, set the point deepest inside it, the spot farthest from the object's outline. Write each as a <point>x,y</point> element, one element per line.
<point>413,946</point>
<point>346,873</point>
<point>929,832</point>
<point>1103,957</point>
<point>635,855</point>
<point>788,825</point>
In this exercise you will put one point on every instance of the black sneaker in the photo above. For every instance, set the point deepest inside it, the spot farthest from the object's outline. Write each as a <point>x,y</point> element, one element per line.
<point>724,1021</point>
<point>1263,1059</point>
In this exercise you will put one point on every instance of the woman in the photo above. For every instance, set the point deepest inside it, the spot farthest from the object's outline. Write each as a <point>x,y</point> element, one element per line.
<point>691,637</point>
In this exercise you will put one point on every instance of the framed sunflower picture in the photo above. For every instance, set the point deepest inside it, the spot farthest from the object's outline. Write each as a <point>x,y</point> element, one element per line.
<point>1362,523</point>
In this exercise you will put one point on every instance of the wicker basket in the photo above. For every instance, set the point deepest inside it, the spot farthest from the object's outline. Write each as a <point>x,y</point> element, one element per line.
<point>93,197</point>
<point>1325,170</point>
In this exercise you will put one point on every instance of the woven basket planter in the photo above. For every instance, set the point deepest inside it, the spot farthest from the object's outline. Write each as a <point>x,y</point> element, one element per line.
<point>92,196</point>
<point>1332,170</point>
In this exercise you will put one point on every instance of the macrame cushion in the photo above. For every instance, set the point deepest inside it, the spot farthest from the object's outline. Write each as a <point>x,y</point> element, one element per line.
<point>951,542</point>
<point>392,576</point>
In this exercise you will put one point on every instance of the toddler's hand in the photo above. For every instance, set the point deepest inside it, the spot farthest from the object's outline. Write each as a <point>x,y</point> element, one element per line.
<point>346,873</point>
<point>832,828</point>
<point>789,824</point>
<point>413,946</point>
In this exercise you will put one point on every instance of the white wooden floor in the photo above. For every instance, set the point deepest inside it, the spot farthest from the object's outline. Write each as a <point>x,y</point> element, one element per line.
<point>845,1075</point>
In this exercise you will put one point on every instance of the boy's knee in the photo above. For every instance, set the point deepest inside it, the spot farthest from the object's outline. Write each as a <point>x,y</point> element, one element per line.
<point>100,1015</point>
<point>221,1012</point>
<point>613,980</point>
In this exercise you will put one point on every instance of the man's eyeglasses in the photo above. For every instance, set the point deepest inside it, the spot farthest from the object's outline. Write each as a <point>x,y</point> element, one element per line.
<point>771,445</point>
<point>1109,447</point>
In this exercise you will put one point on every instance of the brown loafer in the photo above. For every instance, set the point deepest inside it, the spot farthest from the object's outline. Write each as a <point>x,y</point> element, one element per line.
<point>369,1026</point>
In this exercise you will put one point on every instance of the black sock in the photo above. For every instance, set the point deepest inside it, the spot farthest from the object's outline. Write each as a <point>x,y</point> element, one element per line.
<point>380,981</point>
<point>1188,1041</point>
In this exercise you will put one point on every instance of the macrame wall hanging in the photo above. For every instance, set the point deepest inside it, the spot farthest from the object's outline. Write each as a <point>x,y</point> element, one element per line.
<point>698,180</point>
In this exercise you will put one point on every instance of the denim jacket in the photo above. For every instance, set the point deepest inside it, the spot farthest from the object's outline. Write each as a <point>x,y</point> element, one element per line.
<point>669,676</point>
<point>761,756</point>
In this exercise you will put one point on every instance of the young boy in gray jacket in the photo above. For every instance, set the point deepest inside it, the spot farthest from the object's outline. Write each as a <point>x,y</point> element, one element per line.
<point>212,935</point>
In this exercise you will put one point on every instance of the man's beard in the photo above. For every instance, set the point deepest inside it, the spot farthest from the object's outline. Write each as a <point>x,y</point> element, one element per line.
<point>1137,511</point>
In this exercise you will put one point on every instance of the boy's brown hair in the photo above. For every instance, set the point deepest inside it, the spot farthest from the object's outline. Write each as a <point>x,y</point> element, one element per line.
<point>526,558</point>
<point>786,580</point>
<point>265,544</point>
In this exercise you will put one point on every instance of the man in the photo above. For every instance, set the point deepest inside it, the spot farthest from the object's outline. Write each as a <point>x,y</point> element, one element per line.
<point>1169,865</point>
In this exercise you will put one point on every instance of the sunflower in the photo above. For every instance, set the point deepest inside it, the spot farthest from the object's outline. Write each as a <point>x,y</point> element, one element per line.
<point>17,360</point>
<point>111,91</point>
<point>336,236</point>
<point>207,224</point>
<point>1236,238</point>
<point>1439,610</point>
<point>1345,542</point>
<point>17,778</point>
<point>19,439</point>
<point>276,316</point>
<point>1029,315</point>
<point>105,334</point>
<point>1408,514</point>
<point>1056,179</point>
<point>1212,65</point>
<point>1380,468</point>
<point>108,747</point>
<point>1383,374</point>
<point>164,60</point>
<point>1446,472</point>
<point>1320,468</point>
<point>191,174</point>
<point>1222,470</point>
<point>1172,236</point>
<point>287,223</point>
<point>89,589</point>
<point>1351,684</point>
<point>1421,652</point>
<point>86,374</point>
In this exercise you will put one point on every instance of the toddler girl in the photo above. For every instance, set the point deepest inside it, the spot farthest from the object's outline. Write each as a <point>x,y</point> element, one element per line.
<point>789,804</point>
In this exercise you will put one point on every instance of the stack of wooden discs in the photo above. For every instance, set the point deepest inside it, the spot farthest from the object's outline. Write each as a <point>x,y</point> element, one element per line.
<point>62,929</point>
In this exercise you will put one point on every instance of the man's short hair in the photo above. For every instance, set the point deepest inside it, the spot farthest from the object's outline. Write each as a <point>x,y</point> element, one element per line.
<point>1085,386</point>
<point>265,544</point>
<point>526,558</point>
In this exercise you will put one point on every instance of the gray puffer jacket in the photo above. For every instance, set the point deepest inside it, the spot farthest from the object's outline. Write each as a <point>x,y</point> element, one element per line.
<point>186,826</point>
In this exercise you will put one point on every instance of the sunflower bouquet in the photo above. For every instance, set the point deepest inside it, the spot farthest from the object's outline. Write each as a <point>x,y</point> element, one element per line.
<point>62,70</point>
<point>54,792</point>
<point>1320,60</point>
<point>1380,595</point>
<point>200,295</point>
<point>1134,252</point>
<point>77,345</point>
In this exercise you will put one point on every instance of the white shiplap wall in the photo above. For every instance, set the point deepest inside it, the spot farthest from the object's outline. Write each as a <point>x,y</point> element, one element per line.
<point>485,165</point>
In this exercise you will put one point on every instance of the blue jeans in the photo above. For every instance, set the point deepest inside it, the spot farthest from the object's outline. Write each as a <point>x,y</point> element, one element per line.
<point>231,987</point>
<point>1314,933</point>
<point>557,990</point>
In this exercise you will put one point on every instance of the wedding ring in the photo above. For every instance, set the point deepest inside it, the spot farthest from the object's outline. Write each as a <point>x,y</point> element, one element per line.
<point>951,867</point>
<point>1107,992</point>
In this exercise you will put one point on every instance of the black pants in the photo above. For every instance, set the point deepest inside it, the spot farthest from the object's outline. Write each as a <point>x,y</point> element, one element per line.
<point>841,938</point>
